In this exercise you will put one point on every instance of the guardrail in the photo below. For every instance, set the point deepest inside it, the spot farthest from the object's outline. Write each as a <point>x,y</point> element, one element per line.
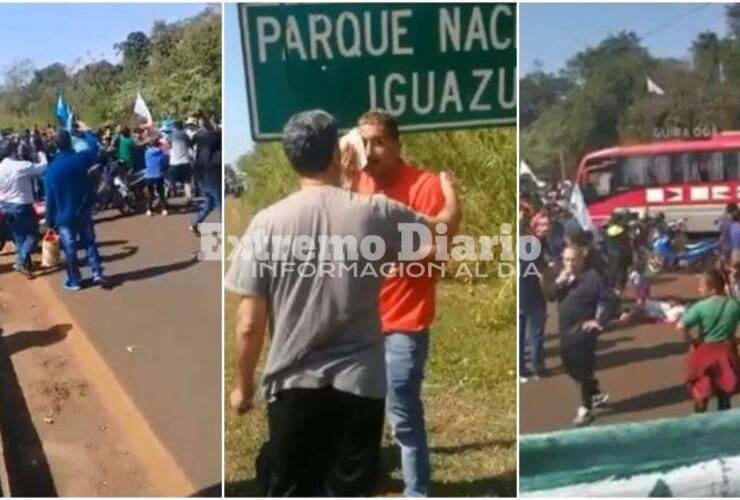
<point>693,456</point>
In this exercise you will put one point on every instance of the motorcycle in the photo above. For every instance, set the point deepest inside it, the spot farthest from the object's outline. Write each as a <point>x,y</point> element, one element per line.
<point>121,190</point>
<point>670,248</point>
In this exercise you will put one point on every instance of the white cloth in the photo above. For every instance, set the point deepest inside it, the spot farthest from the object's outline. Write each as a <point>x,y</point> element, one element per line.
<point>16,178</point>
<point>577,206</point>
<point>663,311</point>
<point>141,109</point>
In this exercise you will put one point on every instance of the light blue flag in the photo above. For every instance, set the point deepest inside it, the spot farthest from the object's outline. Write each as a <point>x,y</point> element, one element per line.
<point>64,113</point>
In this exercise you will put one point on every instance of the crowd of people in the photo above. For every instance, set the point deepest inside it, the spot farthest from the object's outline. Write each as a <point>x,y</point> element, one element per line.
<point>53,174</point>
<point>597,276</point>
<point>359,352</point>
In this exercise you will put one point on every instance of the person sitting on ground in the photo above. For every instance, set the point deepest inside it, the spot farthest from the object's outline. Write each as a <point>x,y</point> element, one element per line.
<point>713,362</point>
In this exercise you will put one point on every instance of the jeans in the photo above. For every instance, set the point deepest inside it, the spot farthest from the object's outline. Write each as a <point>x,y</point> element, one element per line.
<point>21,221</point>
<point>212,193</point>
<point>82,229</point>
<point>405,357</point>
<point>532,335</point>
<point>322,442</point>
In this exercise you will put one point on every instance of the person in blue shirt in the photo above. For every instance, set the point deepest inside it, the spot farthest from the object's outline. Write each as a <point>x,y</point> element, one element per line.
<point>69,202</point>
<point>156,162</point>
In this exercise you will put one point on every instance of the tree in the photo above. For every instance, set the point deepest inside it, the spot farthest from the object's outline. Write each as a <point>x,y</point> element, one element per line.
<point>135,50</point>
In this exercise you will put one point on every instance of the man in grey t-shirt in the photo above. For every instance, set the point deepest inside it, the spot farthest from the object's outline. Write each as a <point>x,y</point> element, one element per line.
<point>302,266</point>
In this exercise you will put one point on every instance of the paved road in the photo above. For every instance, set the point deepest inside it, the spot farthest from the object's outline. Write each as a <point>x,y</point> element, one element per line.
<point>159,330</point>
<point>641,366</point>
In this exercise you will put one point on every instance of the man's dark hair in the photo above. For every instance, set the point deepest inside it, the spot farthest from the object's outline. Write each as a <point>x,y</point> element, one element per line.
<point>731,208</point>
<point>714,280</point>
<point>309,141</point>
<point>126,132</point>
<point>380,117</point>
<point>63,141</point>
<point>178,125</point>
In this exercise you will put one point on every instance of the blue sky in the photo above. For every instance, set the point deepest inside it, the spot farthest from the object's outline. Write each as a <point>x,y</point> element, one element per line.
<point>237,136</point>
<point>66,33</point>
<point>553,33</point>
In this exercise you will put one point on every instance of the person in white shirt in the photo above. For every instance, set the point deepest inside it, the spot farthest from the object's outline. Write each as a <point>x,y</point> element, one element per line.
<point>16,200</point>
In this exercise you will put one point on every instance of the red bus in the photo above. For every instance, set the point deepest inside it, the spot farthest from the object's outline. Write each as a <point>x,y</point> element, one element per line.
<point>693,178</point>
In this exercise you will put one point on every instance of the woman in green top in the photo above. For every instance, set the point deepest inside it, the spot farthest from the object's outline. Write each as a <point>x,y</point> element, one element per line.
<point>126,148</point>
<point>713,363</point>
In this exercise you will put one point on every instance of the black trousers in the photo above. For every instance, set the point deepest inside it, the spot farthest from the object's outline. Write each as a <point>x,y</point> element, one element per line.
<point>578,353</point>
<point>157,185</point>
<point>321,442</point>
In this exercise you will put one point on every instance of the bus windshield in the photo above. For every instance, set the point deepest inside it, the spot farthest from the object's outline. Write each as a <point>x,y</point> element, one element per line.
<point>605,177</point>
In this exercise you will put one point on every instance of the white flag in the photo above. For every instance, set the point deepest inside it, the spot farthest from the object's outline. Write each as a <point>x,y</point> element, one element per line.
<point>577,206</point>
<point>652,88</point>
<point>525,170</point>
<point>141,109</point>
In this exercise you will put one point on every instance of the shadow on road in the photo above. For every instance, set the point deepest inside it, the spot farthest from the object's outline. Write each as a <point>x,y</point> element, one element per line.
<point>614,359</point>
<point>151,272</point>
<point>210,491</point>
<point>648,401</point>
<point>28,469</point>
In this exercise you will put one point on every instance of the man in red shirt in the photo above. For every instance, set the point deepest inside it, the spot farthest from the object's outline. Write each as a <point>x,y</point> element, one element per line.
<point>407,304</point>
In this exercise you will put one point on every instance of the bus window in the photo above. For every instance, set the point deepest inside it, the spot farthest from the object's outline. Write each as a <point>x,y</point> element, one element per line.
<point>730,164</point>
<point>716,172</point>
<point>660,173</point>
<point>631,173</point>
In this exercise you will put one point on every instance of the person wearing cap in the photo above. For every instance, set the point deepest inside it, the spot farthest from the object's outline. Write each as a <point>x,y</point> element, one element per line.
<point>407,304</point>
<point>324,379</point>
<point>16,195</point>
<point>156,162</point>
<point>69,203</point>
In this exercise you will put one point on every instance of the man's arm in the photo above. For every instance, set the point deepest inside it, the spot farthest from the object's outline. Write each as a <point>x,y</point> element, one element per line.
<point>250,333</point>
<point>36,168</point>
<point>451,213</point>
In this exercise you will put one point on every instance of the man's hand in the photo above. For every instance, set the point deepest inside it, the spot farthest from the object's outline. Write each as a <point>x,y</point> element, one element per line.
<point>82,126</point>
<point>241,401</point>
<point>448,183</point>
<point>563,277</point>
<point>591,326</point>
<point>350,167</point>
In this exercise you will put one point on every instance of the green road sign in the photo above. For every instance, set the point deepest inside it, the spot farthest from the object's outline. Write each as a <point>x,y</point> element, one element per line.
<point>432,66</point>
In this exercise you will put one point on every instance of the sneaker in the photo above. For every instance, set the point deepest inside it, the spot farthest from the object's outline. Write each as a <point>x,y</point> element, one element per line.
<point>523,379</point>
<point>600,399</point>
<point>100,280</point>
<point>148,213</point>
<point>72,286</point>
<point>583,417</point>
<point>24,270</point>
<point>165,212</point>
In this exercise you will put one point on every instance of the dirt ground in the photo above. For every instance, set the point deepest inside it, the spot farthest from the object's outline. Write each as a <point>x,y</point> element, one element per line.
<point>115,392</point>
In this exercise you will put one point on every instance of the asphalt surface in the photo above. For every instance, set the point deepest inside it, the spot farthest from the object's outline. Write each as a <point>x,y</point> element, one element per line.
<point>641,365</point>
<point>159,330</point>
